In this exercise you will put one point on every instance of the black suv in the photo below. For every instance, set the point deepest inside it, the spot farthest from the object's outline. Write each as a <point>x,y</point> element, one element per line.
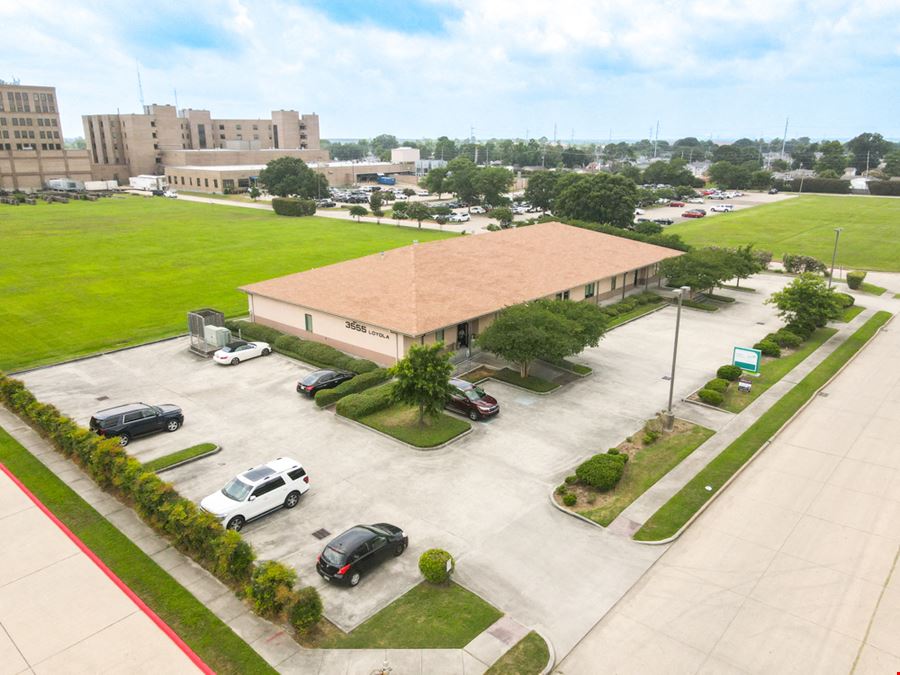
<point>351,554</point>
<point>322,379</point>
<point>136,419</point>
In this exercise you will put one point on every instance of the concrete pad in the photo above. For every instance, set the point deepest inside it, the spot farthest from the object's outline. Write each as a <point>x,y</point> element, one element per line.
<point>877,450</point>
<point>874,661</point>
<point>11,660</point>
<point>496,640</point>
<point>808,463</point>
<point>250,627</point>
<point>885,631</point>
<point>871,479</point>
<point>471,665</point>
<point>31,552</point>
<point>770,524</point>
<point>441,662</point>
<point>276,648</point>
<point>404,660</point>
<point>833,433</point>
<point>12,500</point>
<point>858,510</point>
<point>305,662</point>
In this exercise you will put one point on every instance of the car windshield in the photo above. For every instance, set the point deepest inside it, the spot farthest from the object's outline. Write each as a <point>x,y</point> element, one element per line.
<point>236,490</point>
<point>231,346</point>
<point>333,557</point>
<point>312,378</point>
<point>475,394</point>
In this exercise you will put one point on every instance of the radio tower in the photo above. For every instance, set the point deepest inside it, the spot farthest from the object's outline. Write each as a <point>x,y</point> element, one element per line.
<point>140,86</point>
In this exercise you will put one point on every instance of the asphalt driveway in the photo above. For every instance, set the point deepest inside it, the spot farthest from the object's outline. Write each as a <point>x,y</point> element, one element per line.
<point>484,498</point>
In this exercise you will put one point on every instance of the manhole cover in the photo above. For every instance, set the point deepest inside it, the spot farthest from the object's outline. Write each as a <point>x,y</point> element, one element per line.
<point>823,393</point>
<point>321,534</point>
<point>103,398</point>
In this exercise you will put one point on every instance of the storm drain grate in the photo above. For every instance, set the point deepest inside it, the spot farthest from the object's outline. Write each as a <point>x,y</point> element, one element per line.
<point>321,534</point>
<point>823,394</point>
<point>760,323</point>
<point>667,377</point>
<point>103,398</point>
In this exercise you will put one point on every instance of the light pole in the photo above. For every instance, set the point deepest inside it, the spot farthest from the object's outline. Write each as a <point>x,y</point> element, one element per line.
<point>837,235</point>
<point>670,417</point>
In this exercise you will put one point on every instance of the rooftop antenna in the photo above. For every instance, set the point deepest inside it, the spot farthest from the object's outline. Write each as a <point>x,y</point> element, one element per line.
<point>784,140</point>
<point>175,91</point>
<point>140,86</point>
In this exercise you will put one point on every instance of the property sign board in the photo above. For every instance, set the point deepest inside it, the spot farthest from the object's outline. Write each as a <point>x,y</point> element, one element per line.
<point>747,359</point>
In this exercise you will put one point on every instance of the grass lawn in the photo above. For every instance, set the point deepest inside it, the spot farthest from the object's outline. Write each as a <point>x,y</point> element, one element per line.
<point>401,422</point>
<point>90,276</point>
<point>805,225</point>
<point>851,312</point>
<point>427,617</point>
<point>635,313</point>
<point>646,466</point>
<point>202,630</point>
<point>742,289</point>
<point>173,458</point>
<point>865,287</point>
<point>565,364</point>
<point>528,656</point>
<point>772,370</point>
<point>531,382</point>
<point>685,503</point>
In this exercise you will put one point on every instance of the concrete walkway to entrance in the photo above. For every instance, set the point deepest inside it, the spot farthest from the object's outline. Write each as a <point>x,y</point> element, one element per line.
<point>794,569</point>
<point>59,609</point>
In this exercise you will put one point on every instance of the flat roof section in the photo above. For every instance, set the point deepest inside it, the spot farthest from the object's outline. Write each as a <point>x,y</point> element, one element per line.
<point>420,288</point>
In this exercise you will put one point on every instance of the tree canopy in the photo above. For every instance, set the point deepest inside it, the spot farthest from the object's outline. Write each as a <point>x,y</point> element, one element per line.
<point>417,211</point>
<point>435,181</point>
<point>541,189</point>
<point>289,176</point>
<point>702,269</point>
<point>423,379</point>
<point>599,198</point>
<point>807,302</point>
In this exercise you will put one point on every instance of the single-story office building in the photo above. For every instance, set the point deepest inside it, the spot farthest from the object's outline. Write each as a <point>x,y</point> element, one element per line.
<point>449,290</point>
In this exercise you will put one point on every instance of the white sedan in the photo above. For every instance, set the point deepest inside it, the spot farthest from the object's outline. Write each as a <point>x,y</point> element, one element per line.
<point>235,352</point>
<point>723,208</point>
<point>477,209</point>
<point>459,218</point>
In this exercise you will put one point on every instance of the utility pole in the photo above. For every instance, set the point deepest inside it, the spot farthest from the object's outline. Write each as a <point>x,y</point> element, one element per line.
<point>670,417</point>
<point>784,140</point>
<point>837,234</point>
<point>656,140</point>
<point>867,163</point>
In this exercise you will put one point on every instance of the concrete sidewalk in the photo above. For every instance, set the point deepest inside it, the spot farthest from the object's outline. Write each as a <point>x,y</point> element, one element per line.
<point>60,612</point>
<point>794,569</point>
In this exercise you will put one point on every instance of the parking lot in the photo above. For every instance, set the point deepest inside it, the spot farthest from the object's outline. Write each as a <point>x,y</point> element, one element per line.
<point>483,498</point>
<point>750,199</point>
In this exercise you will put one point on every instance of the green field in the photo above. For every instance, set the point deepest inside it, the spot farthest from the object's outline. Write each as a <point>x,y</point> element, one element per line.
<point>83,277</point>
<point>805,225</point>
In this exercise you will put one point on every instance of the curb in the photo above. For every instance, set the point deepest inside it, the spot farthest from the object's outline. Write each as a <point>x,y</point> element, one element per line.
<point>397,440</point>
<point>215,450</point>
<point>572,513</point>
<point>765,445</point>
<point>515,386</point>
<point>707,405</point>
<point>641,316</point>
<point>567,370</point>
<point>551,658</point>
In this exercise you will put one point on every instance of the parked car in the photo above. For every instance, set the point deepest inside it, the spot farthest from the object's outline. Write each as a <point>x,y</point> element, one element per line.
<point>258,491</point>
<point>136,419</point>
<point>459,218</point>
<point>722,208</point>
<point>676,204</point>
<point>471,400</point>
<point>171,194</point>
<point>239,350</point>
<point>325,203</point>
<point>322,379</point>
<point>423,193</point>
<point>477,209</point>
<point>158,193</point>
<point>773,191</point>
<point>695,200</point>
<point>693,213</point>
<point>350,555</point>
<point>639,212</point>
<point>642,220</point>
<point>663,221</point>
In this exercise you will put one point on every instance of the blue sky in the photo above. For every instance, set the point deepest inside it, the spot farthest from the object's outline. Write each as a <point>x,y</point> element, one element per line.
<point>507,68</point>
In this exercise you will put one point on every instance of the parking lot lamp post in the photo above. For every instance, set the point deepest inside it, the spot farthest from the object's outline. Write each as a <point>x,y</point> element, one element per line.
<point>837,235</point>
<point>670,417</point>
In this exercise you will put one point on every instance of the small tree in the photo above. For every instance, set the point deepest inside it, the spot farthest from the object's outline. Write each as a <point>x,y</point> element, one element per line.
<point>375,205</point>
<point>254,193</point>
<point>503,215</point>
<point>418,211</point>
<point>388,196</point>
<point>807,302</point>
<point>423,379</point>
<point>435,181</point>
<point>358,211</point>
<point>409,192</point>
<point>702,269</point>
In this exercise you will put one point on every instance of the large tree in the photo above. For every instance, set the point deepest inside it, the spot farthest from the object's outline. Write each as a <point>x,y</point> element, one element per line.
<point>590,322</point>
<point>703,269</point>
<point>289,176</point>
<point>435,181</point>
<point>492,183</point>
<point>418,211</point>
<point>730,176</point>
<point>461,174</point>
<point>833,158</point>
<point>598,198</point>
<point>541,188</point>
<point>866,150</point>
<point>423,379</point>
<point>892,163</point>
<point>807,301</point>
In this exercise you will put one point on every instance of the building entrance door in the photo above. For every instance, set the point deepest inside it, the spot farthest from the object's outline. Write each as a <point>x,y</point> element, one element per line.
<point>462,335</point>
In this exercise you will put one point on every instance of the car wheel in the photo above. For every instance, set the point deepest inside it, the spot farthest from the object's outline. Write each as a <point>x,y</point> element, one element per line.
<point>236,523</point>
<point>473,415</point>
<point>172,425</point>
<point>399,548</point>
<point>354,578</point>
<point>235,361</point>
<point>124,439</point>
<point>291,500</point>
<point>266,352</point>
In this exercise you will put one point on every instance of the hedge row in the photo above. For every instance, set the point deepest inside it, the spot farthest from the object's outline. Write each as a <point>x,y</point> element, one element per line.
<point>194,532</point>
<point>886,187</point>
<point>630,303</point>
<point>356,406</point>
<point>316,353</point>
<point>822,185</point>
<point>288,206</point>
<point>359,383</point>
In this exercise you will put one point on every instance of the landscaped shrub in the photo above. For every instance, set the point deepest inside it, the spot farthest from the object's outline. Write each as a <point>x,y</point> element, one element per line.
<point>820,185</point>
<point>359,383</point>
<point>785,338</point>
<point>562,489</point>
<point>650,437</point>
<point>271,587</point>
<point>768,348</point>
<point>799,329</point>
<point>365,403</point>
<point>601,471</point>
<point>717,384</point>
<point>253,331</point>
<point>884,187</point>
<point>710,396</point>
<point>614,451</point>
<point>433,565</point>
<point>855,279</point>
<point>289,206</point>
<point>234,557</point>
<point>570,499</point>
<point>306,610</point>
<point>845,299</point>
<point>571,479</point>
<point>730,373</point>
<point>798,264</point>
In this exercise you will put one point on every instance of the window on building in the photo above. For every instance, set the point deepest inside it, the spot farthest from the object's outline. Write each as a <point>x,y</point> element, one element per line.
<point>244,182</point>
<point>2,121</point>
<point>5,133</point>
<point>307,318</point>
<point>255,127</point>
<point>589,290</point>
<point>221,127</point>
<point>237,126</point>
<point>439,335</point>
<point>206,182</point>
<point>43,134</point>
<point>40,122</point>
<point>562,296</point>
<point>222,136</point>
<point>215,182</point>
<point>15,121</point>
<point>182,180</point>
<point>190,180</point>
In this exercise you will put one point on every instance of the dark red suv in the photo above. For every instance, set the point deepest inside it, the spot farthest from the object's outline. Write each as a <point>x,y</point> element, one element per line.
<point>471,400</point>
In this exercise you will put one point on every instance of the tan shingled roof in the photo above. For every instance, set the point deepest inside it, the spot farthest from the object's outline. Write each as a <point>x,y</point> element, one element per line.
<point>420,288</point>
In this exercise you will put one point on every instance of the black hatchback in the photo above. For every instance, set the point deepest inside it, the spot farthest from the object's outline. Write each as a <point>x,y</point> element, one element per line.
<point>360,549</point>
<point>322,379</point>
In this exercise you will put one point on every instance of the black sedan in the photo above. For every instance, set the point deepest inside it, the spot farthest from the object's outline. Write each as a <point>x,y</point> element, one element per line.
<point>360,549</point>
<point>322,379</point>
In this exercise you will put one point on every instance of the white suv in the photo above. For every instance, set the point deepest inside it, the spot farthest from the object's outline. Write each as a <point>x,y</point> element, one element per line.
<point>258,491</point>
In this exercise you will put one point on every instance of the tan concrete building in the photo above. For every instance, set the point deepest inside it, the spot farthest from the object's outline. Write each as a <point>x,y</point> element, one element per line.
<point>128,145</point>
<point>449,291</point>
<point>31,140</point>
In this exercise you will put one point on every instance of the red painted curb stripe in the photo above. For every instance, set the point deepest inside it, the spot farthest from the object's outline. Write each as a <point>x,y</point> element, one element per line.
<point>163,626</point>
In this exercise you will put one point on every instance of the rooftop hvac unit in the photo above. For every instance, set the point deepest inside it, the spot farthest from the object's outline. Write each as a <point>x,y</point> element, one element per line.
<point>218,336</point>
